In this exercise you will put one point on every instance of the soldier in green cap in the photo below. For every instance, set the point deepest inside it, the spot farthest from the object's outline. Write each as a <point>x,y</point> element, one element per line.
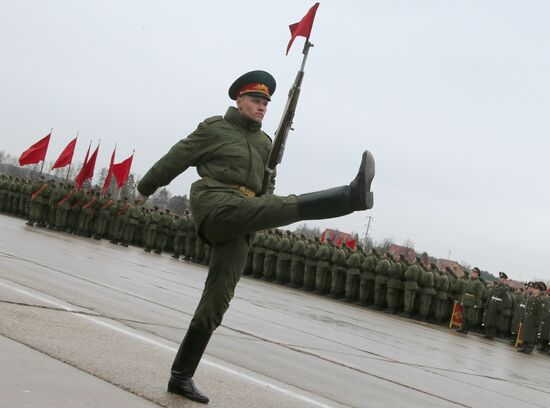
<point>471,300</point>
<point>230,153</point>
<point>535,310</point>
<point>495,306</point>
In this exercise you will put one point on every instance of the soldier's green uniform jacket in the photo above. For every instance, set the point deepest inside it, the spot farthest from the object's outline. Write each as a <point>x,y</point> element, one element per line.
<point>412,277</point>
<point>497,296</point>
<point>535,309</point>
<point>354,263</point>
<point>298,250</point>
<point>225,159</point>
<point>473,293</point>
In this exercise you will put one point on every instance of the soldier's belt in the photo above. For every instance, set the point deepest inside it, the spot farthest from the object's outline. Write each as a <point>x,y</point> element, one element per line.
<point>469,295</point>
<point>245,190</point>
<point>496,298</point>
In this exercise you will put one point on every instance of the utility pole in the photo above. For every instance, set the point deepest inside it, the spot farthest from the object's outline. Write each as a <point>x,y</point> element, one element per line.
<point>369,219</point>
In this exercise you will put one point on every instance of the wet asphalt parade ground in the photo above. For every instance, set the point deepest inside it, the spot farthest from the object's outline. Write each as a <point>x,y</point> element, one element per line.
<point>84,323</point>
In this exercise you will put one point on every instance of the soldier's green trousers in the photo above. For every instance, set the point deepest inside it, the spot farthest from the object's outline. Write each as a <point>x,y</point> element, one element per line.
<point>282,269</point>
<point>322,277</point>
<point>338,281</point>
<point>270,266</point>
<point>227,230</point>
<point>61,218</point>
<point>366,292</point>
<point>424,304</point>
<point>393,297</point>
<point>258,264</point>
<point>352,287</point>
<point>409,300</point>
<point>380,295</point>
<point>190,245</point>
<point>179,244</point>
<point>309,275</point>
<point>297,272</point>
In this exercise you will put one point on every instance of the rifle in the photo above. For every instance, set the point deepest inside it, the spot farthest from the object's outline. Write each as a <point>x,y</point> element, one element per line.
<point>285,125</point>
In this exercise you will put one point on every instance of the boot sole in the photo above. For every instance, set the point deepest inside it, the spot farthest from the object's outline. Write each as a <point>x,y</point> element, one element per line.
<point>370,170</point>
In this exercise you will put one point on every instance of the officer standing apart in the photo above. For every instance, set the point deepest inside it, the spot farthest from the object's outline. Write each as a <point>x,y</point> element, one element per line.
<point>471,300</point>
<point>230,153</point>
<point>495,306</point>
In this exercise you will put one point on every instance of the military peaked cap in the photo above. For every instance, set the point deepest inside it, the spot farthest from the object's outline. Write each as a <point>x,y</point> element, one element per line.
<point>254,83</point>
<point>502,275</point>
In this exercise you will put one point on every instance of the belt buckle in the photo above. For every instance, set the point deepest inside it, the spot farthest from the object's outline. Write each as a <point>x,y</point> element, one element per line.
<point>246,191</point>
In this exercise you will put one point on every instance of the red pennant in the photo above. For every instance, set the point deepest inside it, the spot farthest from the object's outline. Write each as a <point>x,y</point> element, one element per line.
<point>36,153</point>
<point>122,170</point>
<point>303,28</point>
<point>66,156</point>
<point>87,170</point>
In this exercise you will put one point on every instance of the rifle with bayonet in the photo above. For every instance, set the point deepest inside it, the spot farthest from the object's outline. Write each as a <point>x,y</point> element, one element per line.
<point>285,125</point>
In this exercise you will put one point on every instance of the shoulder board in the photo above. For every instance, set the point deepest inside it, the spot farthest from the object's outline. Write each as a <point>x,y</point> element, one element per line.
<point>210,120</point>
<point>266,135</point>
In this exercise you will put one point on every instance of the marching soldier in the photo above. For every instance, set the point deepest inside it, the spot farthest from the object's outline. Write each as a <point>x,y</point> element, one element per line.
<point>230,154</point>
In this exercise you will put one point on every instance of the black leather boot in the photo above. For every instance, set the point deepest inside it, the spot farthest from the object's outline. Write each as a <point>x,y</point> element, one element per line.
<point>187,359</point>
<point>343,200</point>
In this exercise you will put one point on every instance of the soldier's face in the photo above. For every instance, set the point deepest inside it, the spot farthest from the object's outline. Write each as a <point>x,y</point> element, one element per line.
<point>252,107</point>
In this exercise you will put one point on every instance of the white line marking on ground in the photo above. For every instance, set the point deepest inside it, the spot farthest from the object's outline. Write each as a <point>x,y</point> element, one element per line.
<point>137,336</point>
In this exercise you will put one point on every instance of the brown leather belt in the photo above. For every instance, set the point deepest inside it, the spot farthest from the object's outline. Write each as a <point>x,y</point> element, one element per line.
<point>245,190</point>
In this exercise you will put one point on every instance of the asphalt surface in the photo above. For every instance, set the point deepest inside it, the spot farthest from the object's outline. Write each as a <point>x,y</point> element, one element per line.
<point>84,323</point>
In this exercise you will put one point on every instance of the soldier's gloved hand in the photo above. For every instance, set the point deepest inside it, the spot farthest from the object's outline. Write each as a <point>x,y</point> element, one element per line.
<point>141,199</point>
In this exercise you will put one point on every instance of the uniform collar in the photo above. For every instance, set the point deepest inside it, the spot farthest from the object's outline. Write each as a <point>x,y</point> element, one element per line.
<point>233,116</point>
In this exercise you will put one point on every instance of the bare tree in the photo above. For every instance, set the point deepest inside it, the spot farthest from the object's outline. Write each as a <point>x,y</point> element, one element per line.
<point>408,243</point>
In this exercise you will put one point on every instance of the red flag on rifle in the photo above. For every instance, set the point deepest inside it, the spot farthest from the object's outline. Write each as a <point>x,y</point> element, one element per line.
<point>109,174</point>
<point>36,153</point>
<point>303,28</point>
<point>87,170</point>
<point>122,170</point>
<point>66,156</point>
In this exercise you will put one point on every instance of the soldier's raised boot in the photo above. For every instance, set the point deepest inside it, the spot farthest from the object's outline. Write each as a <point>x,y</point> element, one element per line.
<point>341,200</point>
<point>186,362</point>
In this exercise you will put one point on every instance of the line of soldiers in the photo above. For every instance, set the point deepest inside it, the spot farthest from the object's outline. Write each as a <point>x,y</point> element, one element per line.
<point>413,288</point>
<point>46,203</point>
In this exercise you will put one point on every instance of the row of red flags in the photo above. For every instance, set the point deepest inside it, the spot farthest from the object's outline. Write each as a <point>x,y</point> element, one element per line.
<point>37,153</point>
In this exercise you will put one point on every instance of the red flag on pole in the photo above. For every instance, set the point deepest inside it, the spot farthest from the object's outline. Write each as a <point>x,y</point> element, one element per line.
<point>87,170</point>
<point>109,174</point>
<point>37,152</point>
<point>303,28</point>
<point>66,156</point>
<point>122,170</point>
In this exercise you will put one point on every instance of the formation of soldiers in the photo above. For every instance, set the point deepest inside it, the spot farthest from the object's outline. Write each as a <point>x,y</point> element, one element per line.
<point>414,288</point>
<point>48,204</point>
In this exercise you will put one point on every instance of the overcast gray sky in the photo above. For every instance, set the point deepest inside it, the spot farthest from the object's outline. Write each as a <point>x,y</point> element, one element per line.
<point>451,97</point>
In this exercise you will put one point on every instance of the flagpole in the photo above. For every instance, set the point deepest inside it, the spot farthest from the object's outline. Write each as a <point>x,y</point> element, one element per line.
<point>43,161</point>
<point>70,164</point>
